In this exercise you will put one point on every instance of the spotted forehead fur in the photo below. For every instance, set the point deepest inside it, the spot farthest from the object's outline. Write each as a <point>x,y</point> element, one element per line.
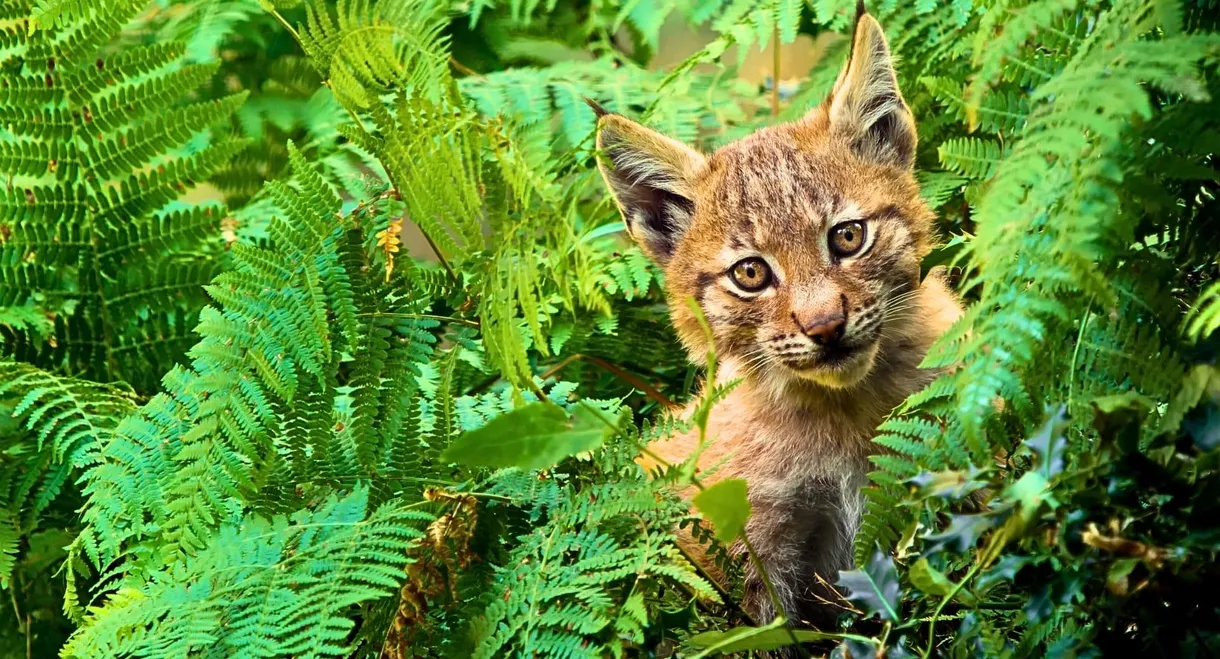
<point>786,185</point>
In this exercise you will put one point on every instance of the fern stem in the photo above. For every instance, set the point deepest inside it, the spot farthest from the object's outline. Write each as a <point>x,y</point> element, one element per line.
<point>440,256</point>
<point>287,26</point>
<point>1084,323</point>
<point>957,587</point>
<point>772,594</point>
<point>356,119</point>
<point>463,69</point>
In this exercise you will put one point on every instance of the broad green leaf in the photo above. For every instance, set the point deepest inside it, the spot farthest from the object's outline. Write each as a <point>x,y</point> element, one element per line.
<point>934,582</point>
<point>535,436</point>
<point>929,579</point>
<point>874,588</point>
<point>742,639</point>
<point>1030,491</point>
<point>726,506</point>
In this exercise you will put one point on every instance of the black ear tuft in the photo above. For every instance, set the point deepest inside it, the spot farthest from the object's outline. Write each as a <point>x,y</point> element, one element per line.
<point>860,10</point>
<point>866,105</point>
<point>597,108</point>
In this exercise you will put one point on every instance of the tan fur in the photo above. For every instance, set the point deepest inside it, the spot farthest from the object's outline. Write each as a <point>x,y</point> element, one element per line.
<point>798,427</point>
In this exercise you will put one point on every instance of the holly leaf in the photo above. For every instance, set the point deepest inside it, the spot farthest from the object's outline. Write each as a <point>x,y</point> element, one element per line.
<point>962,533</point>
<point>726,506</point>
<point>952,485</point>
<point>1048,444</point>
<point>534,436</point>
<point>1005,570</point>
<point>875,588</point>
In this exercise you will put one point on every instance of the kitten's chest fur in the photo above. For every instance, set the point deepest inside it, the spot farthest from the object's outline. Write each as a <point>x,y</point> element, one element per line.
<point>803,449</point>
<point>794,445</point>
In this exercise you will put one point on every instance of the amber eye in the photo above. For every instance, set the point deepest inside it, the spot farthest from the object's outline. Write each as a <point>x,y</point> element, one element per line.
<point>751,274</point>
<point>847,238</point>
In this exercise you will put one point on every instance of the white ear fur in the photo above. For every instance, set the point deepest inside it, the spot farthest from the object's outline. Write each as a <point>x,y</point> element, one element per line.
<point>866,104</point>
<point>650,176</point>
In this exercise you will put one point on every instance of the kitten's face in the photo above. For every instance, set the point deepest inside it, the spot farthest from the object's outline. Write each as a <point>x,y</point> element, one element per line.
<point>800,255</point>
<point>802,242</point>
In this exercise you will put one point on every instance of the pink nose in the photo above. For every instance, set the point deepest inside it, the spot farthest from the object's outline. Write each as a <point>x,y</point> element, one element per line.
<point>825,329</point>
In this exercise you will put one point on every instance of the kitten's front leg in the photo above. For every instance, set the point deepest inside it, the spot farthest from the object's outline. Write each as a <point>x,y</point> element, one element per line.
<point>778,542</point>
<point>797,537</point>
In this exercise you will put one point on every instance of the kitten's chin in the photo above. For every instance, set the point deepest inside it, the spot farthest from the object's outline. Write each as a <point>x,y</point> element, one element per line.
<point>844,374</point>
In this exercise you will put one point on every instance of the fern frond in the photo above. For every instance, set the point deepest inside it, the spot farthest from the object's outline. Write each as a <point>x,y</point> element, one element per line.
<point>279,587</point>
<point>971,157</point>
<point>98,152</point>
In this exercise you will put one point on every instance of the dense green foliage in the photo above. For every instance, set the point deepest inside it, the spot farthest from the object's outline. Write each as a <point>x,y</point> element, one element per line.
<point>257,428</point>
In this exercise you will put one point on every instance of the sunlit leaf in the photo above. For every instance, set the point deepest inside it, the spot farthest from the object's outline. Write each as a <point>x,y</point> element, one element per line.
<point>726,506</point>
<point>535,436</point>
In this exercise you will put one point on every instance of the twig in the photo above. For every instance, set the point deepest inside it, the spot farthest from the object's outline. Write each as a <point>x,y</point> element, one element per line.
<point>287,26</point>
<point>758,566</point>
<point>616,371</point>
<point>842,602</point>
<point>724,594</point>
<point>462,68</point>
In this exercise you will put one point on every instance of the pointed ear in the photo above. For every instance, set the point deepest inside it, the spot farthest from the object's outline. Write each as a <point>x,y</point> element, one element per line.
<point>651,177</point>
<point>866,105</point>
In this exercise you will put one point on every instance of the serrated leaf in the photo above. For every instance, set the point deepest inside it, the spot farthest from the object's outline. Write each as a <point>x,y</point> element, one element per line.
<point>1049,443</point>
<point>535,436</point>
<point>726,506</point>
<point>875,588</point>
<point>962,533</point>
<point>953,485</point>
<point>934,582</point>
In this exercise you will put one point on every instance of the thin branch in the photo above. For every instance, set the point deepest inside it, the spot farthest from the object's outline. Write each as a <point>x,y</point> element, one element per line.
<point>753,555</point>
<point>613,369</point>
<point>287,26</point>
<point>440,256</point>
<point>462,68</point>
